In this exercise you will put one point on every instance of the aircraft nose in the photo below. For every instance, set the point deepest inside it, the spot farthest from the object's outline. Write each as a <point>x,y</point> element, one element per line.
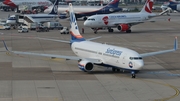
<point>86,23</point>
<point>46,10</point>
<point>139,64</point>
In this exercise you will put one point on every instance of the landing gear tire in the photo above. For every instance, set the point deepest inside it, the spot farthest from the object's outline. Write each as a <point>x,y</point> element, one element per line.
<point>133,76</point>
<point>113,69</point>
<point>110,30</point>
<point>95,32</point>
<point>85,18</point>
<point>128,31</point>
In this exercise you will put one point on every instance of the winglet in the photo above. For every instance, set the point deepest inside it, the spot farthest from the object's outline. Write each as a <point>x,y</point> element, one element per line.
<point>175,43</point>
<point>5,45</point>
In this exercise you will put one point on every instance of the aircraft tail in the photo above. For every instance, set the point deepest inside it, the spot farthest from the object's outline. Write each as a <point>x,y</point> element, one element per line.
<point>74,31</point>
<point>55,8</point>
<point>113,3</point>
<point>147,7</point>
<point>171,2</point>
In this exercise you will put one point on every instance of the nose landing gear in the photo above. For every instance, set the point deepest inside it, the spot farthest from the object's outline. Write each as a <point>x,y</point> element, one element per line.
<point>133,74</point>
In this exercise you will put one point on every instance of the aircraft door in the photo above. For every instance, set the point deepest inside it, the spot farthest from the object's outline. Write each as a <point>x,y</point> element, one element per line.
<point>124,59</point>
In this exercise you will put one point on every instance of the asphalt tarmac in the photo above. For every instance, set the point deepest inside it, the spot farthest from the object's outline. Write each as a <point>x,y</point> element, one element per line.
<point>33,78</point>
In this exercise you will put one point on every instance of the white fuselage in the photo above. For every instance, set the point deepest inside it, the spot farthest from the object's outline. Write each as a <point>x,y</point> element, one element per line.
<point>111,55</point>
<point>77,9</point>
<point>32,3</point>
<point>113,20</point>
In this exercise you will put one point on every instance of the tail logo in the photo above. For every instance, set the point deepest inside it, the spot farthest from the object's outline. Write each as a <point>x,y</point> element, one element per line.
<point>105,19</point>
<point>149,5</point>
<point>73,20</point>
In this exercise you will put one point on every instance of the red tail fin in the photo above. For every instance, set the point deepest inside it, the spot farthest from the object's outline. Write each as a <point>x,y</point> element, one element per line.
<point>148,6</point>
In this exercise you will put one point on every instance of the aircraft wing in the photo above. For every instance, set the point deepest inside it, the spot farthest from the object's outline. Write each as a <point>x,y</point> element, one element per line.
<point>97,61</point>
<point>163,51</point>
<point>55,40</point>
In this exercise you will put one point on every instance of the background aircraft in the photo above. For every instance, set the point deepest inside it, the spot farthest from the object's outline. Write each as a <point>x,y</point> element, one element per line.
<point>38,17</point>
<point>32,3</point>
<point>122,21</point>
<point>84,11</point>
<point>92,53</point>
<point>173,5</point>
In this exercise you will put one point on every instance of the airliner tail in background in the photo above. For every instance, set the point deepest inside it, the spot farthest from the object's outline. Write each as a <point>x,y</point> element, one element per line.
<point>84,11</point>
<point>55,8</point>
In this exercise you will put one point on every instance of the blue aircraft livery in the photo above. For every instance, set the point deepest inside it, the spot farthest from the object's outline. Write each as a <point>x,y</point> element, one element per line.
<point>113,52</point>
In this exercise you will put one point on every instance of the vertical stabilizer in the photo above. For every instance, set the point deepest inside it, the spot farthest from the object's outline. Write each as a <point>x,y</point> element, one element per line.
<point>147,7</point>
<point>74,31</point>
<point>55,8</point>
<point>172,2</point>
<point>114,3</point>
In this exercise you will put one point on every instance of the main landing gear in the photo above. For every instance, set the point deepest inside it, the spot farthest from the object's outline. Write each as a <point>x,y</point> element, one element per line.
<point>133,73</point>
<point>110,30</point>
<point>115,69</point>
<point>128,31</point>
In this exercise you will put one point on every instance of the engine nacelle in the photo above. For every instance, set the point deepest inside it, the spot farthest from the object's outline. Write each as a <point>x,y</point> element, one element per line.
<point>85,66</point>
<point>111,10</point>
<point>178,7</point>
<point>123,27</point>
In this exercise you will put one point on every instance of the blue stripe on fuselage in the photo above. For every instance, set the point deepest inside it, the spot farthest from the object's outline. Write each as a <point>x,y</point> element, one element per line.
<point>105,10</point>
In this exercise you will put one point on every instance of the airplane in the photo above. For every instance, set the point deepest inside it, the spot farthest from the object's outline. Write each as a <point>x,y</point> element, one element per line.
<point>39,18</point>
<point>173,5</point>
<point>123,21</point>
<point>84,11</point>
<point>32,3</point>
<point>89,53</point>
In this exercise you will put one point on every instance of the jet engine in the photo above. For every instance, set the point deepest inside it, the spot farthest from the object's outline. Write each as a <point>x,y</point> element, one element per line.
<point>123,27</point>
<point>85,66</point>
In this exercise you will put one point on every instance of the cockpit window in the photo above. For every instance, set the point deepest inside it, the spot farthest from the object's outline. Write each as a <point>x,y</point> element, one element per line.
<point>91,19</point>
<point>135,58</point>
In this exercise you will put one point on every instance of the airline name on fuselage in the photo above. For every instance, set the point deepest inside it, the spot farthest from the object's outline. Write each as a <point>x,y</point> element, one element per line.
<point>113,52</point>
<point>28,3</point>
<point>117,16</point>
<point>33,3</point>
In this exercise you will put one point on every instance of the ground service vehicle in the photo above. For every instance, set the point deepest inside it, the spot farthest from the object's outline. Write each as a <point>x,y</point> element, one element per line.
<point>22,30</point>
<point>42,29</point>
<point>53,25</point>
<point>4,26</point>
<point>65,30</point>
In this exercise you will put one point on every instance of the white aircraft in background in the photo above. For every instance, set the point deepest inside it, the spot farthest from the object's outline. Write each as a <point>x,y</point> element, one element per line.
<point>92,53</point>
<point>84,11</point>
<point>32,3</point>
<point>122,21</point>
<point>38,17</point>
